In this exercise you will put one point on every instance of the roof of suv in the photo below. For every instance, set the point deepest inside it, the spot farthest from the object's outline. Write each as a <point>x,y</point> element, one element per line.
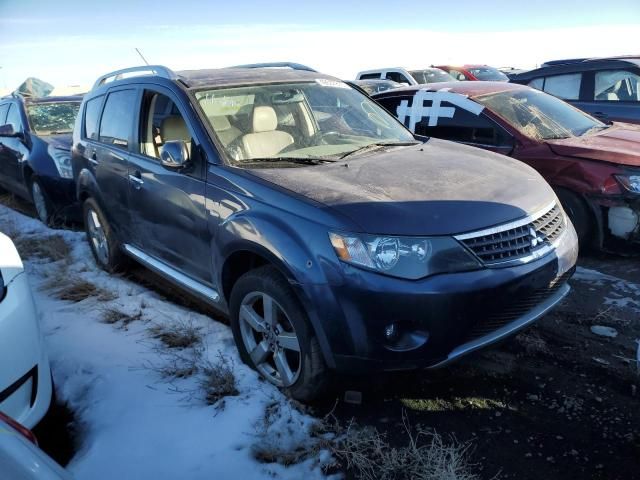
<point>577,65</point>
<point>246,76</point>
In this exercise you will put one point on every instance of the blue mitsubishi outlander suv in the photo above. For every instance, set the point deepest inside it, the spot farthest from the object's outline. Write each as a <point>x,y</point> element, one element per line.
<point>334,239</point>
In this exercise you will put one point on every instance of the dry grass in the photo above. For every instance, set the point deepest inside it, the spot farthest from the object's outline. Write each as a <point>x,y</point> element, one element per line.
<point>76,289</point>
<point>365,453</point>
<point>53,247</point>
<point>180,334</point>
<point>219,380</point>
<point>114,315</point>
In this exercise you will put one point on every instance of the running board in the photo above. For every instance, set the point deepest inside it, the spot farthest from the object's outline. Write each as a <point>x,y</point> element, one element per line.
<point>161,268</point>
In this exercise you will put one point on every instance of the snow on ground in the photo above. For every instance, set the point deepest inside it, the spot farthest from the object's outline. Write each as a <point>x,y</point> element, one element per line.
<point>135,423</point>
<point>621,288</point>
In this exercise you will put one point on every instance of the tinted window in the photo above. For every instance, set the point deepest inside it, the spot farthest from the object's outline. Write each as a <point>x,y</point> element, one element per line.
<point>3,113</point>
<point>369,76</point>
<point>537,83</point>
<point>396,77</point>
<point>13,118</point>
<point>617,86</point>
<point>566,87</point>
<point>117,118</point>
<point>91,117</point>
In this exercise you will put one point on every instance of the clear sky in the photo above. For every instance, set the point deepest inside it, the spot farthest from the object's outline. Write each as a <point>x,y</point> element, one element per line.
<point>71,41</point>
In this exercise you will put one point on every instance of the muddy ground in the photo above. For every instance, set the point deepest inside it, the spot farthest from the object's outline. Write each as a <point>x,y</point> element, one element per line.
<point>555,402</point>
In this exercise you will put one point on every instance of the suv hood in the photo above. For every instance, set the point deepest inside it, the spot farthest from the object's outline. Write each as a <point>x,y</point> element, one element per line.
<point>619,144</point>
<point>10,262</point>
<point>436,188</point>
<point>62,141</point>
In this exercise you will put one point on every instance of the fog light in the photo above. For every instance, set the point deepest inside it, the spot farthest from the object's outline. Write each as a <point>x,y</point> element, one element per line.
<point>391,332</point>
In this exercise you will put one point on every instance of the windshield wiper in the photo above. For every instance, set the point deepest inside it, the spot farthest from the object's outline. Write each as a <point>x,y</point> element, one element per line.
<point>377,145</point>
<point>302,160</point>
<point>595,128</point>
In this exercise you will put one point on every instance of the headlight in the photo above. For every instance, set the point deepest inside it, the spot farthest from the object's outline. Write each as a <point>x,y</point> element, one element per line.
<point>406,257</point>
<point>630,182</point>
<point>62,160</point>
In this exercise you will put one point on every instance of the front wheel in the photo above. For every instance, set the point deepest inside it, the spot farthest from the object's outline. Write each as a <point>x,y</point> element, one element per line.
<point>104,245</point>
<point>273,334</point>
<point>579,215</point>
<point>43,206</point>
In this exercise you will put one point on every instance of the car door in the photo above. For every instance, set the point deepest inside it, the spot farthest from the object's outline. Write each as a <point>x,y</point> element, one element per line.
<point>14,153</point>
<point>4,108</point>
<point>168,205</point>
<point>109,155</point>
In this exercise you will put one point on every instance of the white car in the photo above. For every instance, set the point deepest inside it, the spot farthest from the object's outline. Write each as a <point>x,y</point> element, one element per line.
<point>25,377</point>
<point>20,457</point>
<point>407,77</point>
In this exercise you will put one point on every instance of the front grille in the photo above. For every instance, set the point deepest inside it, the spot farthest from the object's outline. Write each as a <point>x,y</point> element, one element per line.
<point>517,309</point>
<point>517,242</point>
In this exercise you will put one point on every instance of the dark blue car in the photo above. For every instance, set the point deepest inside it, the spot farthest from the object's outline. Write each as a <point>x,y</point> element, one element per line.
<point>607,88</point>
<point>333,238</point>
<point>35,152</point>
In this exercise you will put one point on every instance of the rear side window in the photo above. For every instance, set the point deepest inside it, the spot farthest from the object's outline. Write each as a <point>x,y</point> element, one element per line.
<point>566,87</point>
<point>117,118</point>
<point>3,113</point>
<point>369,76</point>
<point>91,117</point>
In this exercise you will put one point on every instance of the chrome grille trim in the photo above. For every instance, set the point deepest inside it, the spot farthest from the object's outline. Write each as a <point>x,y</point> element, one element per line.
<point>518,242</point>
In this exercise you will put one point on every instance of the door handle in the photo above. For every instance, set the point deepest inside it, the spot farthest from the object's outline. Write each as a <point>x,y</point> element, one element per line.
<point>600,114</point>
<point>93,159</point>
<point>136,180</point>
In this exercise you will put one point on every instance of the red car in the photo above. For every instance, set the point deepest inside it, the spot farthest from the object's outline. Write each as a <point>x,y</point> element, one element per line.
<point>593,167</point>
<point>474,72</point>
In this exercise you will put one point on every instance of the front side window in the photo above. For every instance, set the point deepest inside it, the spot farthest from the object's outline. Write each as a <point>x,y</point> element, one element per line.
<point>161,122</point>
<point>396,77</point>
<point>431,75</point>
<point>13,118</point>
<point>566,87</point>
<point>323,119</point>
<point>369,76</point>
<point>538,115</point>
<point>617,86</point>
<point>488,74</point>
<point>117,118</point>
<point>53,118</point>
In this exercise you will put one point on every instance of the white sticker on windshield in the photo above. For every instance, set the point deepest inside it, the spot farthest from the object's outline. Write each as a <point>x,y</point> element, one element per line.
<point>418,110</point>
<point>325,82</point>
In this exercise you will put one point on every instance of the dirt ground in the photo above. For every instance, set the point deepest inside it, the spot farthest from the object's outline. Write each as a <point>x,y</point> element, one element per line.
<point>555,402</point>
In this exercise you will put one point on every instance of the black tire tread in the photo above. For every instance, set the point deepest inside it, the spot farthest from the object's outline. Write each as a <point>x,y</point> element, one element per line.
<point>118,261</point>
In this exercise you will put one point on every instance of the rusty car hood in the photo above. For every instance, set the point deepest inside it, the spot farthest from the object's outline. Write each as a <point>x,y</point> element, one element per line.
<point>618,144</point>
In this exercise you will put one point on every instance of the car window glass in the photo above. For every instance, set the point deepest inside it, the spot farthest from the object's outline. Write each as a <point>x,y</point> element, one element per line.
<point>457,75</point>
<point>566,87</point>
<point>617,86</point>
<point>13,118</point>
<point>431,75</point>
<point>537,83</point>
<point>91,117</point>
<point>117,118</point>
<point>369,76</point>
<point>3,113</point>
<point>396,77</point>
<point>161,122</point>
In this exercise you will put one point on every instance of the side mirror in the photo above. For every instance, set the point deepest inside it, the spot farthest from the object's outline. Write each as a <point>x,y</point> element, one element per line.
<point>8,131</point>
<point>461,77</point>
<point>174,154</point>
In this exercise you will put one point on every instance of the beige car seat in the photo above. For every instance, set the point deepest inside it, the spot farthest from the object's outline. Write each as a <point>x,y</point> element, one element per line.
<point>265,141</point>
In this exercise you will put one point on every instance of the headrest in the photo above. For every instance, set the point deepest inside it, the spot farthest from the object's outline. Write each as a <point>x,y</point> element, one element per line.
<point>264,119</point>
<point>220,123</point>
<point>174,128</point>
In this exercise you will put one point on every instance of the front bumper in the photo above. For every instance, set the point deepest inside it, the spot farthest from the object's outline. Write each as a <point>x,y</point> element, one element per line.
<point>25,375</point>
<point>440,318</point>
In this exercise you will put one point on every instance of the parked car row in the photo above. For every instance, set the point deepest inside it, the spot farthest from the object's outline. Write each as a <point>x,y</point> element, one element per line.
<point>335,236</point>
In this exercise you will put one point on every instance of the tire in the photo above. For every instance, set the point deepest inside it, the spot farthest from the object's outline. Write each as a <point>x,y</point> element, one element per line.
<point>250,293</point>
<point>104,245</point>
<point>40,199</point>
<point>580,216</point>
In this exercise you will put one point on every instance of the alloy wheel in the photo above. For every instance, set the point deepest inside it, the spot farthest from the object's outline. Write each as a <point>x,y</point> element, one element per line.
<point>270,339</point>
<point>97,236</point>
<point>40,202</point>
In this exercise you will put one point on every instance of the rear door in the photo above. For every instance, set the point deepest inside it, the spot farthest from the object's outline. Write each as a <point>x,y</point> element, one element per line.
<point>168,206</point>
<point>109,155</point>
<point>4,108</point>
<point>614,95</point>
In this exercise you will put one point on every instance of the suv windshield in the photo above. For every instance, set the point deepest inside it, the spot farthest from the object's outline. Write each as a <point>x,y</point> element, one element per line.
<point>539,115</point>
<point>52,118</point>
<point>321,120</point>
<point>488,74</point>
<point>431,75</point>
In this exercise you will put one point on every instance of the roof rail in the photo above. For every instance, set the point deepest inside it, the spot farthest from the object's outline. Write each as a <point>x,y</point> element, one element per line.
<point>567,61</point>
<point>159,70</point>
<point>291,65</point>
